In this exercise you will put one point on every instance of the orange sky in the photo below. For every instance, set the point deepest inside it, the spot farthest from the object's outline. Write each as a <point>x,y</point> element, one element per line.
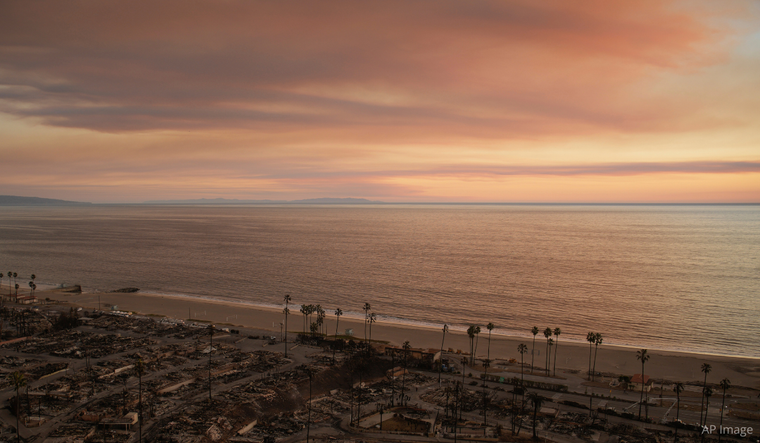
<point>513,101</point>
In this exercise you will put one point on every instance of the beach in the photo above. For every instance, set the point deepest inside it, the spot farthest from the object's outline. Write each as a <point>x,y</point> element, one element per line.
<point>571,356</point>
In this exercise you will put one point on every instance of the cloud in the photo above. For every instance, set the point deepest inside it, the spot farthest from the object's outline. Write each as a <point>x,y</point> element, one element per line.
<point>386,99</point>
<point>425,70</point>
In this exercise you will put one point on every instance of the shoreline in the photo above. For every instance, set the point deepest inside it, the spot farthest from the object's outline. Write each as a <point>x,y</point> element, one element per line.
<point>670,365</point>
<point>396,321</point>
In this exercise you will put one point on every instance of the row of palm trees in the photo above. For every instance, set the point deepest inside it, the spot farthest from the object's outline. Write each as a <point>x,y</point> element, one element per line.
<point>473,332</point>
<point>550,342</point>
<point>707,392</point>
<point>13,284</point>
<point>307,310</point>
<point>594,339</point>
<point>643,356</point>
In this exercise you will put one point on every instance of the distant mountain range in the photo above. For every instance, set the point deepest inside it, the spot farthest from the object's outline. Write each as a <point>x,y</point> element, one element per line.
<point>234,201</point>
<point>15,200</point>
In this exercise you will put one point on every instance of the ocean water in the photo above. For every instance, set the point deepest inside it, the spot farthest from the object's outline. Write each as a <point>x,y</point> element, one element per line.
<point>662,277</point>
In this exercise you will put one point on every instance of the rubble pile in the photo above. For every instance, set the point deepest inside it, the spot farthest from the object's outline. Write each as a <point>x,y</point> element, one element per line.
<point>571,428</point>
<point>78,344</point>
<point>470,400</point>
<point>330,405</point>
<point>278,426</point>
<point>633,434</point>
<point>14,363</point>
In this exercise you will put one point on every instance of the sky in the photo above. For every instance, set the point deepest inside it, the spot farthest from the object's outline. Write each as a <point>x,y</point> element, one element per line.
<point>405,101</point>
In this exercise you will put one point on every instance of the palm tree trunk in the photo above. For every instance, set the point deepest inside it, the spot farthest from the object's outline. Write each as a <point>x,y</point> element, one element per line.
<point>489,345</point>
<point>722,405</point>
<point>702,405</point>
<point>678,413</point>
<point>641,399</point>
<point>596,350</point>
<point>403,382</point>
<point>556,346</point>
<point>440,362</point>
<point>533,354</point>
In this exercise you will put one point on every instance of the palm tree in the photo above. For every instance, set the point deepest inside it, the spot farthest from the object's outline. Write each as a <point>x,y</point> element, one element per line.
<point>140,370</point>
<point>18,380</point>
<point>286,311</point>
<point>522,348</point>
<point>372,319</point>
<point>338,313</point>
<point>305,312</point>
<point>16,285</point>
<point>708,392</point>
<point>533,331</point>
<point>406,347</point>
<point>557,331</point>
<point>643,356</point>
<point>724,384</point>
<point>15,275</point>
<point>590,338</point>
<point>598,339</point>
<point>490,327</point>
<point>706,368</point>
<point>551,345</point>
<point>440,362</point>
<point>320,318</point>
<point>471,334</point>
<point>486,365</point>
<point>33,285</point>
<point>366,318</point>
<point>537,401</point>
<point>477,337</point>
<point>10,286</point>
<point>547,334</point>
<point>678,388</point>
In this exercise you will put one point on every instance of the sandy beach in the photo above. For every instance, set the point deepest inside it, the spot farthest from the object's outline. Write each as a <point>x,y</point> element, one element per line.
<point>668,365</point>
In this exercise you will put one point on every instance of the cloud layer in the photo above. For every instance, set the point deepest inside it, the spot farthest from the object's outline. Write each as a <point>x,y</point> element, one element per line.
<point>343,88</point>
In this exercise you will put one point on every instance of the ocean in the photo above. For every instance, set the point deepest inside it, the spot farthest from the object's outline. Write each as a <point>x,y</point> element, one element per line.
<point>672,277</point>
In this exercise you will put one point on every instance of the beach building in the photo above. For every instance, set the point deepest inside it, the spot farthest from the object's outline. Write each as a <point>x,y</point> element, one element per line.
<point>637,380</point>
<point>26,299</point>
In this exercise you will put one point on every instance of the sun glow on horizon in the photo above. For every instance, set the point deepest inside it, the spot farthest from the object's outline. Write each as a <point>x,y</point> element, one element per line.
<point>447,101</point>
